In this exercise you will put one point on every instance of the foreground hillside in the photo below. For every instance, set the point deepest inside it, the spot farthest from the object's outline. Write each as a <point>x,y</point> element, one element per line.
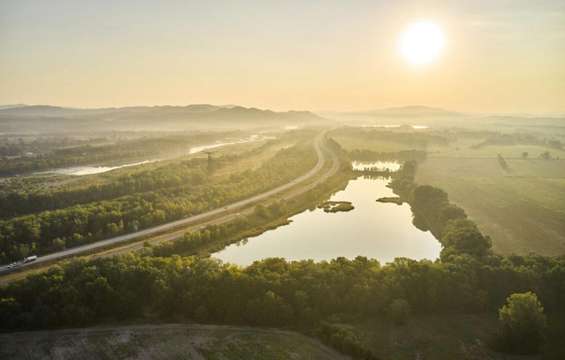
<point>173,341</point>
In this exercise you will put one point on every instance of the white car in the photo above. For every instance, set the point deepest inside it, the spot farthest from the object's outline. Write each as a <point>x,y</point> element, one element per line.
<point>30,259</point>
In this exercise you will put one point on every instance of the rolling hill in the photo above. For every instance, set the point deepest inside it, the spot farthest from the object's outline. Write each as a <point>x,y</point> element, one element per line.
<point>46,118</point>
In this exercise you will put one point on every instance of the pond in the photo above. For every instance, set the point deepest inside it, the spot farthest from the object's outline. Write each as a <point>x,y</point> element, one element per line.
<point>377,230</point>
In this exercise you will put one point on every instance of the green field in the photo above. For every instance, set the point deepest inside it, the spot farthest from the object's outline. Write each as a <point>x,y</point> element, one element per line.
<point>465,148</point>
<point>351,143</point>
<point>195,342</point>
<point>522,209</point>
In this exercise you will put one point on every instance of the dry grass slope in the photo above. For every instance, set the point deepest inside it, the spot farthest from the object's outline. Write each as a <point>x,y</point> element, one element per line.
<point>174,341</point>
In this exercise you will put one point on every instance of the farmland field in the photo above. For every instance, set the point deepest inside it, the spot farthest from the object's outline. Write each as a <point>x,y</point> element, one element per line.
<point>522,209</point>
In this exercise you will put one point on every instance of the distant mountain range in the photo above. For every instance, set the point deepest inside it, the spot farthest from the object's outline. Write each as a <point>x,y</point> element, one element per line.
<point>26,118</point>
<point>409,111</point>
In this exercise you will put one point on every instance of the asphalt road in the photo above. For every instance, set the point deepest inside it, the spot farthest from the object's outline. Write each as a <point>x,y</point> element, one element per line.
<point>318,145</point>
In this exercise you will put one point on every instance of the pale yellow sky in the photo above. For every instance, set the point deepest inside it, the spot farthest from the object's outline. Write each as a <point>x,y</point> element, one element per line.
<point>321,55</point>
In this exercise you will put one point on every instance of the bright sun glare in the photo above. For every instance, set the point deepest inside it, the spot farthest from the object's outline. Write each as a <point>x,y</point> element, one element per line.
<point>421,43</point>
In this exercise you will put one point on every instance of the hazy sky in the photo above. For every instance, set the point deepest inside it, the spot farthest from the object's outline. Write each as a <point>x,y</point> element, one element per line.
<point>506,55</point>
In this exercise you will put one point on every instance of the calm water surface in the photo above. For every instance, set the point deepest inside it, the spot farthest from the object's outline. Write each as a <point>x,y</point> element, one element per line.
<point>91,170</point>
<point>373,229</point>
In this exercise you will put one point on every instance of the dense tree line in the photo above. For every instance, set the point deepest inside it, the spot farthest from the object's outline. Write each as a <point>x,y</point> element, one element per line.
<point>403,155</point>
<point>49,231</point>
<point>217,236</point>
<point>271,292</point>
<point>344,340</point>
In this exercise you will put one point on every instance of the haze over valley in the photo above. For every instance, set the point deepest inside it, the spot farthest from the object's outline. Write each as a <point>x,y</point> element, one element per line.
<point>260,180</point>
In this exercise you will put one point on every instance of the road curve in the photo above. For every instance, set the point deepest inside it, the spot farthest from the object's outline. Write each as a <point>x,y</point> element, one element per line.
<point>189,220</point>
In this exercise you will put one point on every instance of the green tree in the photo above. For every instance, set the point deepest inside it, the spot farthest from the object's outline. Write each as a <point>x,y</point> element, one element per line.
<point>463,236</point>
<point>399,311</point>
<point>546,155</point>
<point>523,323</point>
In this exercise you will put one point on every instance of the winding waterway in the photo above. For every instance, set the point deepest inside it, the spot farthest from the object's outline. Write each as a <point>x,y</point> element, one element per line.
<point>377,230</point>
<point>91,170</point>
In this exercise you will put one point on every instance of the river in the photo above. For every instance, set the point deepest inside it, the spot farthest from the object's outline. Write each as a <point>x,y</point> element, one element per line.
<point>91,170</point>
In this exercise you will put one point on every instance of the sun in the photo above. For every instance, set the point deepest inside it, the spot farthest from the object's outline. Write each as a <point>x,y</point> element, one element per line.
<point>421,43</point>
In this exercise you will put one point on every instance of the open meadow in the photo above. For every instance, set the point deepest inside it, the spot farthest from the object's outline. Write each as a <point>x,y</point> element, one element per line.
<point>522,208</point>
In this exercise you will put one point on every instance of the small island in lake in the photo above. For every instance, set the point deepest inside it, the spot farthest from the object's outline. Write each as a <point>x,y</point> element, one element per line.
<point>391,199</point>
<point>335,206</point>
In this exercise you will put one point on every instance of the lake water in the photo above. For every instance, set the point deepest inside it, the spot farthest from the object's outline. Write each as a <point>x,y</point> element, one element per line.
<point>376,230</point>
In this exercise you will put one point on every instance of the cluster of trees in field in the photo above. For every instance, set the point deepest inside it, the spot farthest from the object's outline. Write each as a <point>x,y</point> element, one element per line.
<point>49,231</point>
<point>519,139</point>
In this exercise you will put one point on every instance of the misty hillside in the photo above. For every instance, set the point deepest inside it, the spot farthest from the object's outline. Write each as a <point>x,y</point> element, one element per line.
<point>411,111</point>
<point>45,118</point>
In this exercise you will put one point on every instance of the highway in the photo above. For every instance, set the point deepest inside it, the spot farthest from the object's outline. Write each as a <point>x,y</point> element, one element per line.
<point>226,210</point>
